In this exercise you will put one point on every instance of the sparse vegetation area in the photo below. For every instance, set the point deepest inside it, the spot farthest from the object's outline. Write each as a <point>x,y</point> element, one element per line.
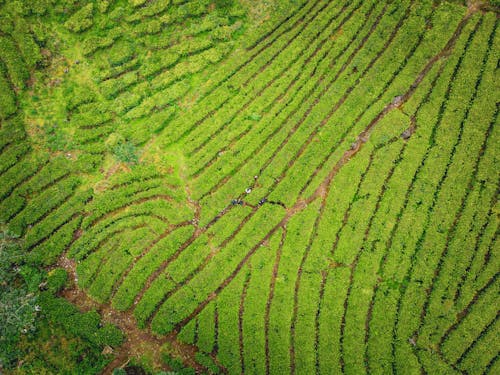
<point>258,187</point>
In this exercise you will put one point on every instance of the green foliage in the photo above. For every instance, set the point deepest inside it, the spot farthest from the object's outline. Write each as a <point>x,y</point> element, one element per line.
<point>16,69</point>
<point>78,95</point>
<point>81,20</point>
<point>176,365</point>
<point>85,325</point>
<point>7,98</point>
<point>55,137</point>
<point>126,152</point>
<point>137,3</point>
<point>52,347</point>
<point>23,327</point>
<point>18,305</point>
<point>103,5</point>
<point>206,361</point>
<point>56,280</point>
<point>110,335</point>
<point>224,3</point>
<point>29,49</point>
<point>120,53</point>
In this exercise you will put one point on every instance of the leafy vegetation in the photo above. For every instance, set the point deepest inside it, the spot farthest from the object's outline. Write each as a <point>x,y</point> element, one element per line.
<point>41,331</point>
<point>264,187</point>
<point>18,306</point>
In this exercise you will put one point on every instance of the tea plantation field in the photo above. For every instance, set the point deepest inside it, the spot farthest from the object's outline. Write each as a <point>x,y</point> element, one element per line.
<point>277,187</point>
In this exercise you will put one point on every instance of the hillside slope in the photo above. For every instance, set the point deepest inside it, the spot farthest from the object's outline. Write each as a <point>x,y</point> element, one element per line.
<point>310,188</point>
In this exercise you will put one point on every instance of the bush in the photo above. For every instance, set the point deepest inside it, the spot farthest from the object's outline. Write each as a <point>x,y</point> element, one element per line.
<point>78,95</point>
<point>7,98</point>
<point>92,44</point>
<point>137,3</point>
<point>56,280</point>
<point>55,137</point>
<point>223,3</point>
<point>120,53</point>
<point>29,49</point>
<point>16,68</point>
<point>103,5</point>
<point>85,325</point>
<point>17,305</point>
<point>126,152</point>
<point>110,335</point>
<point>176,365</point>
<point>81,20</point>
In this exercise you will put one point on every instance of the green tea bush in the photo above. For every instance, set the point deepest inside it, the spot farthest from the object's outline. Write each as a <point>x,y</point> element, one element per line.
<point>85,325</point>
<point>8,104</point>
<point>16,68</point>
<point>81,20</point>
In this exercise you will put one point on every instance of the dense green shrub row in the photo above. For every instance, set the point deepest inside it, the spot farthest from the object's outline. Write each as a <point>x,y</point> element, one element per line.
<point>431,170</point>
<point>353,95</point>
<point>353,236</point>
<point>198,117</point>
<point>44,203</point>
<point>11,58</point>
<point>48,251</point>
<point>278,70</point>
<point>449,274</point>
<point>57,219</point>
<point>116,261</point>
<point>191,257</point>
<point>7,97</point>
<point>432,231</point>
<point>145,265</point>
<point>12,131</point>
<point>82,19</point>
<point>199,287</point>
<point>20,172</point>
<point>272,156</point>
<point>45,178</point>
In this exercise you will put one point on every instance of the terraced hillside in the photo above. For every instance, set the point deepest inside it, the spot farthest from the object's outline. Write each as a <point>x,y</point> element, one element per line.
<point>301,187</point>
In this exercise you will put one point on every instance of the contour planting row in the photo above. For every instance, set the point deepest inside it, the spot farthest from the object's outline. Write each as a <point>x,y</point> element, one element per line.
<point>360,259</point>
<point>138,89</point>
<point>441,212</point>
<point>269,129</point>
<point>401,80</point>
<point>363,275</point>
<point>431,157</point>
<point>332,128</point>
<point>213,100</point>
<point>295,133</point>
<point>285,87</point>
<point>280,62</point>
<point>453,261</point>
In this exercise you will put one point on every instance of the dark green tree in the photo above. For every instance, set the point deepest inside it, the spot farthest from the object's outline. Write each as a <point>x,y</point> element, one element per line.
<point>18,306</point>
